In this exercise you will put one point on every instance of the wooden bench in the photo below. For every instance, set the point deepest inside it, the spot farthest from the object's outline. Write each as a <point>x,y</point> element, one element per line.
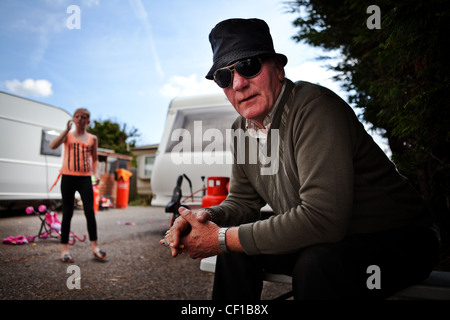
<point>436,287</point>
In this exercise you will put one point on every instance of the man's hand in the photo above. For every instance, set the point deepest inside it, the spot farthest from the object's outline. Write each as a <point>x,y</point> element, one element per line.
<point>202,241</point>
<point>180,228</point>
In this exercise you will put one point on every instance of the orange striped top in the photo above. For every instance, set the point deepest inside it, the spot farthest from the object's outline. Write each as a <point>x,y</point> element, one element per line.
<point>77,156</point>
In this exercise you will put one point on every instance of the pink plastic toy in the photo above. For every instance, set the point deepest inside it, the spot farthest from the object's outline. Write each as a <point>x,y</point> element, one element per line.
<point>50,225</point>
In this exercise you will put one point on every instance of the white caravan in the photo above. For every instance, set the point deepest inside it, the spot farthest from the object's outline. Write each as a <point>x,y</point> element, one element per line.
<point>193,125</point>
<point>28,167</point>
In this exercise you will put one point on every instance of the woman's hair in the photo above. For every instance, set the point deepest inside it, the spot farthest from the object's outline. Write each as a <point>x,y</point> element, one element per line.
<point>84,111</point>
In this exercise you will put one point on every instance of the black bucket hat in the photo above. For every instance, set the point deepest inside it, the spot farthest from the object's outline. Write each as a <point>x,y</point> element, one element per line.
<point>235,39</point>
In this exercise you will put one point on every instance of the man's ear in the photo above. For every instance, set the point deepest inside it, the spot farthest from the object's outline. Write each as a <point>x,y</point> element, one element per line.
<point>280,69</point>
<point>280,73</point>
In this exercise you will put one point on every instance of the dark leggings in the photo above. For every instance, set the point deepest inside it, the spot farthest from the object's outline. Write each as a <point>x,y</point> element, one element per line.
<point>82,184</point>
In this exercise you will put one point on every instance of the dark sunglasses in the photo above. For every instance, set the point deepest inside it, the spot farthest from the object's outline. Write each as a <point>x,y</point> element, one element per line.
<point>247,68</point>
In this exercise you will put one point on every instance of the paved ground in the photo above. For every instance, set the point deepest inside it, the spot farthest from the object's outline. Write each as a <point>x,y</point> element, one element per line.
<point>138,267</point>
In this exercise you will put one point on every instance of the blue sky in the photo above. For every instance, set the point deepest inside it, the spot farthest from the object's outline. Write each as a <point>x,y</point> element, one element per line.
<point>130,58</point>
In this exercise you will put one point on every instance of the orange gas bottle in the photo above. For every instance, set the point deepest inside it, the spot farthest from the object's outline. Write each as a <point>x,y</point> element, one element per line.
<point>96,198</point>
<point>123,188</point>
<point>216,191</point>
<point>96,195</point>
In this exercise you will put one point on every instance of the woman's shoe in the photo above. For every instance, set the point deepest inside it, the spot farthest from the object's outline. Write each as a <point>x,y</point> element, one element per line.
<point>66,258</point>
<point>99,255</point>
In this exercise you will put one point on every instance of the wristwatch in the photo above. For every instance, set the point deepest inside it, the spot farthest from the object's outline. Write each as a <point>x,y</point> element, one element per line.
<point>222,239</point>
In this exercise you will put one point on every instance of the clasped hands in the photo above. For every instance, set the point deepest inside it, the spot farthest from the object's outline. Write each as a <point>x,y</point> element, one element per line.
<point>194,234</point>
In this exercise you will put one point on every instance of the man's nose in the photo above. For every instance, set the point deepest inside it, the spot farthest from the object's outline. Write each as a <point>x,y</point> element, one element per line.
<point>239,82</point>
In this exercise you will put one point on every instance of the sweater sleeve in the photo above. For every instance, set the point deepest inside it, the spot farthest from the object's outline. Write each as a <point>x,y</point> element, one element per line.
<point>322,139</point>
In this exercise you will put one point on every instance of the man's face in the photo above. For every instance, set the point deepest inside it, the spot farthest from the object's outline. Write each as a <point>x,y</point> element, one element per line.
<point>254,98</point>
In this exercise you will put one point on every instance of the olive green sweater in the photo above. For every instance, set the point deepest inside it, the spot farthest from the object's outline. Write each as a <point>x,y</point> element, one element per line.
<point>333,179</point>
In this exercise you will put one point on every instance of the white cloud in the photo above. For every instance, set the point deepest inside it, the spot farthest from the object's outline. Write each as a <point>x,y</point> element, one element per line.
<point>315,72</point>
<point>188,86</point>
<point>30,87</point>
<point>90,3</point>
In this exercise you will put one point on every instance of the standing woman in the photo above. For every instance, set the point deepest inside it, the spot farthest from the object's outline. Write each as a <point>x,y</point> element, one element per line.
<point>79,164</point>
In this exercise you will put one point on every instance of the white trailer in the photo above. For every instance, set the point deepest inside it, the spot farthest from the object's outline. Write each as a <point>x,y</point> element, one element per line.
<point>28,167</point>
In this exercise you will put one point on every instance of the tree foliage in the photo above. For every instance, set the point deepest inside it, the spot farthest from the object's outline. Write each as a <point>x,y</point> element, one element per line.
<point>398,75</point>
<point>111,136</point>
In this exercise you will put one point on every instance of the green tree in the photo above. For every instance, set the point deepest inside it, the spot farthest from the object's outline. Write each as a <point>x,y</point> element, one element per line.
<point>112,136</point>
<point>399,76</point>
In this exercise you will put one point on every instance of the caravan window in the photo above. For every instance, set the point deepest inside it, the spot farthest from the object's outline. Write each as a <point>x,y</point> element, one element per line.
<point>46,137</point>
<point>220,118</point>
<point>149,161</point>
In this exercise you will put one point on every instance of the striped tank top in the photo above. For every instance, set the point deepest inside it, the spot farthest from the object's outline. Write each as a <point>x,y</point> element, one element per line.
<point>77,156</point>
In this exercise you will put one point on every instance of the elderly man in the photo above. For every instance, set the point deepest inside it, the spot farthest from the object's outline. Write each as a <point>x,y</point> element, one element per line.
<point>340,206</point>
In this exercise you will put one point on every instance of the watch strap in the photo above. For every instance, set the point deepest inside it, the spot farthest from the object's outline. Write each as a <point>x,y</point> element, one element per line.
<point>222,239</point>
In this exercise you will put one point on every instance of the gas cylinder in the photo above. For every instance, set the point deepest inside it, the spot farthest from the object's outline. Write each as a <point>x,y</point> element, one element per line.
<point>216,191</point>
<point>123,188</point>
<point>96,194</point>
